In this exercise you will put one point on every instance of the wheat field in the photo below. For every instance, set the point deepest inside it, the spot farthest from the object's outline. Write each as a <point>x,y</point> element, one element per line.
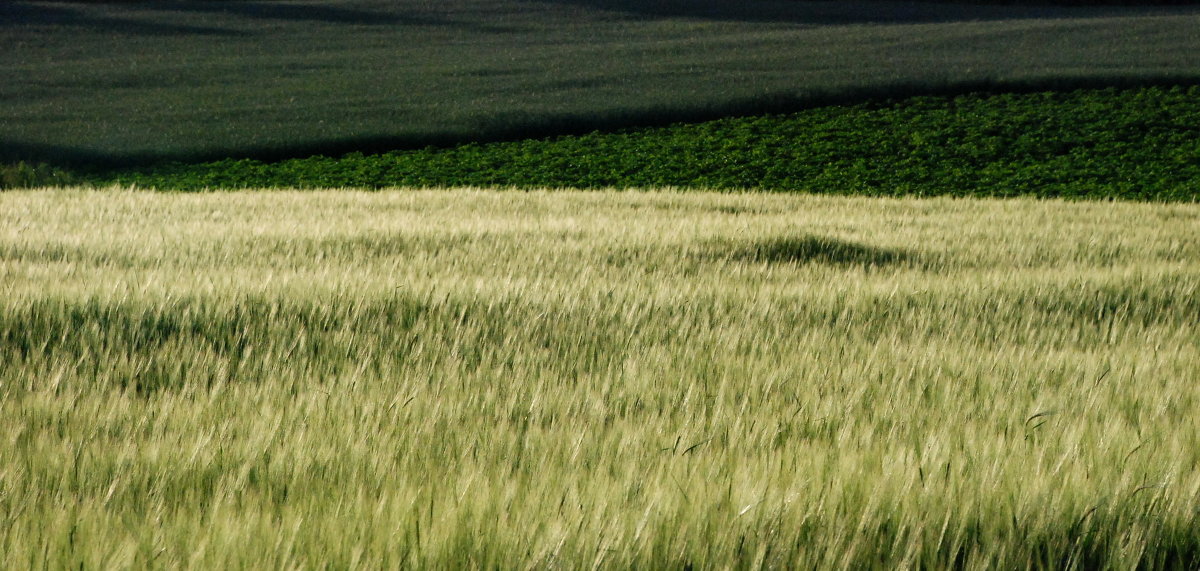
<point>471,378</point>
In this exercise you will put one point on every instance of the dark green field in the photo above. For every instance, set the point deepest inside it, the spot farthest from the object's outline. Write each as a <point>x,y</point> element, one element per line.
<point>115,83</point>
<point>1138,144</point>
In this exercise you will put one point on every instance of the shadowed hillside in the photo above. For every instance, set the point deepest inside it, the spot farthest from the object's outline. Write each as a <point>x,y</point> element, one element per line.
<point>130,82</point>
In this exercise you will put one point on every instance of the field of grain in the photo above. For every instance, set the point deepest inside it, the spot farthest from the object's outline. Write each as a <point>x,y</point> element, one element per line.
<point>605,379</point>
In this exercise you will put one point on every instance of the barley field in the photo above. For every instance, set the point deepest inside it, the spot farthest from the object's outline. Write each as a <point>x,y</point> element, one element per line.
<point>469,378</point>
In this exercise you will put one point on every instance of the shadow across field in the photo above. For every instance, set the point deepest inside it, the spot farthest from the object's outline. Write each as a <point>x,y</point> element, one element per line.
<point>806,249</point>
<point>368,14</point>
<point>75,15</point>
<point>202,17</point>
<point>115,14</point>
<point>840,13</point>
<point>784,250</point>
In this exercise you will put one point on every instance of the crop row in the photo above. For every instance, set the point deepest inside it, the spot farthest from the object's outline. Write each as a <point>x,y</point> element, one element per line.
<point>1139,144</point>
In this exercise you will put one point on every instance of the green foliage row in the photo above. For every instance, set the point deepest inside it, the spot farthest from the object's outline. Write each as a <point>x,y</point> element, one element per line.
<point>24,175</point>
<point>1137,143</point>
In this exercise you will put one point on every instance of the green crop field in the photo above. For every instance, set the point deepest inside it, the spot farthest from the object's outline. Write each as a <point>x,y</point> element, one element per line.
<point>1136,144</point>
<point>131,82</point>
<point>449,379</point>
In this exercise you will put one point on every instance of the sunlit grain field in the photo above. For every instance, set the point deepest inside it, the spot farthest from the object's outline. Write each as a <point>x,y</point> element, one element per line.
<point>653,380</point>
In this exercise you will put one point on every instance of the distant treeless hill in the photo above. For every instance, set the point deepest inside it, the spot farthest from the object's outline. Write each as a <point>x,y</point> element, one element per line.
<point>127,82</point>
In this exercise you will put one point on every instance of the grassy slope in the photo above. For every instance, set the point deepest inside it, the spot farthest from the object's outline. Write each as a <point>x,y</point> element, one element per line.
<point>453,379</point>
<point>1133,144</point>
<point>111,82</point>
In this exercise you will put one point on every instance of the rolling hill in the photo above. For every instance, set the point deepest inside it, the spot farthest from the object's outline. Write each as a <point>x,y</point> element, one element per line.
<point>120,83</point>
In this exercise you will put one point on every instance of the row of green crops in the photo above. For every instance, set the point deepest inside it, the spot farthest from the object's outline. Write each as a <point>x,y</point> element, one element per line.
<point>1138,143</point>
